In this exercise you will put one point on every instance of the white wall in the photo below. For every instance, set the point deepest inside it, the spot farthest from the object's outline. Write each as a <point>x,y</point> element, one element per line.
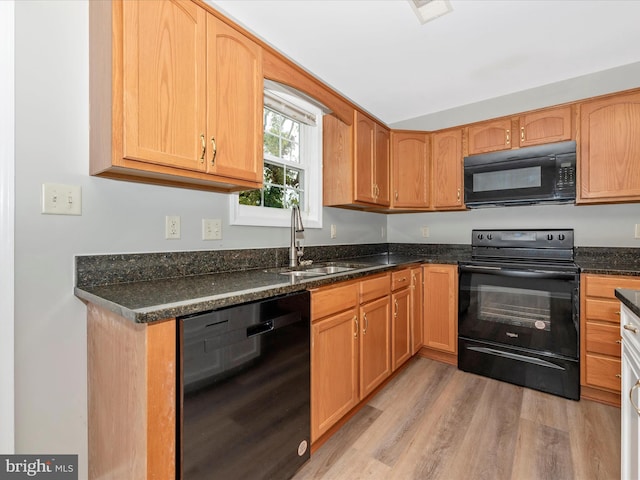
<point>7,203</point>
<point>51,145</point>
<point>594,225</point>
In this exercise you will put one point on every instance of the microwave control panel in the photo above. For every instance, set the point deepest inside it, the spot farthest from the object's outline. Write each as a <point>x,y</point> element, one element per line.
<point>566,175</point>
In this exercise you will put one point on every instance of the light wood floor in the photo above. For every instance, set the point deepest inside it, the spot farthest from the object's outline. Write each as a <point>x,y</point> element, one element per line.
<point>434,421</point>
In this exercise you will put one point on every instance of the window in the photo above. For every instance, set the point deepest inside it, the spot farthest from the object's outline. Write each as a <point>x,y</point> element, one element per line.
<point>292,164</point>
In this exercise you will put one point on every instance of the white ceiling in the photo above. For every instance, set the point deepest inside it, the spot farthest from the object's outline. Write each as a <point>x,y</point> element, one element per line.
<point>377,53</point>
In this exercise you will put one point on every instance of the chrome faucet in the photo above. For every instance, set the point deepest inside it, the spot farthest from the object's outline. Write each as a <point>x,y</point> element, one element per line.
<point>296,249</point>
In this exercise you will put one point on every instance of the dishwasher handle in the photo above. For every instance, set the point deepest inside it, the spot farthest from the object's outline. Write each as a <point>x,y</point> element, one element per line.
<point>259,329</point>
<point>273,324</point>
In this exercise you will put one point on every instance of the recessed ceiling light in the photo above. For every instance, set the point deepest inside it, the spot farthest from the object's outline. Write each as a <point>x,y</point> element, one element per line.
<point>427,10</point>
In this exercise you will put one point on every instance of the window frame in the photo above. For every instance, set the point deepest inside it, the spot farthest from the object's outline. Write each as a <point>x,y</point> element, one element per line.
<point>310,149</point>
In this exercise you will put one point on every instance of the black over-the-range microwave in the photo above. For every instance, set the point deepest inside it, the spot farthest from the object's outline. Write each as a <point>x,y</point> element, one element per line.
<point>530,175</point>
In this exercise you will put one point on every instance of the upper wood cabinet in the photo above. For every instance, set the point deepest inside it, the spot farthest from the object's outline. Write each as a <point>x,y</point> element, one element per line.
<point>410,170</point>
<point>355,162</point>
<point>609,149</point>
<point>533,128</point>
<point>489,136</point>
<point>545,126</point>
<point>448,189</point>
<point>170,84</point>
<point>371,161</point>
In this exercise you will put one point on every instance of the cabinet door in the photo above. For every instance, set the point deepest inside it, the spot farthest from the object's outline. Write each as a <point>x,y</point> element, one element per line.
<point>609,162</point>
<point>447,169</point>
<point>164,81</point>
<point>334,370</point>
<point>410,160</point>
<point>489,136</point>
<point>375,336</point>
<point>381,166</point>
<point>363,169</point>
<point>547,126</point>
<point>337,162</point>
<point>235,103</point>
<point>440,307</point>
<point>416,310</point>
<point>401,327</point>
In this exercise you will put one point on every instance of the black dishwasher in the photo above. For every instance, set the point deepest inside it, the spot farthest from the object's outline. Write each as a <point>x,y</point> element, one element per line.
<point>244,390</point>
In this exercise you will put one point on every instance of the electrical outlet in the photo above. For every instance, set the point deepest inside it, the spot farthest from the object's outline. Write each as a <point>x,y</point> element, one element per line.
<point>637,230</point>
<point>333,231</point>
<point>60,199</point>
<point>172,227</point>
<point>425,231</point>
<point>211,229</point>
<point>382,232</point>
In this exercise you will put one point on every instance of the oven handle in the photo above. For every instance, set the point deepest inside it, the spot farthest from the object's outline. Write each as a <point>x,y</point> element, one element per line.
<point>515,356</point>
<point>507,272</point>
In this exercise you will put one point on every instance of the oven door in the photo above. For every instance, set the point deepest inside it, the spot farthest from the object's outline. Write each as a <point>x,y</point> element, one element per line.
<point>531,308</point>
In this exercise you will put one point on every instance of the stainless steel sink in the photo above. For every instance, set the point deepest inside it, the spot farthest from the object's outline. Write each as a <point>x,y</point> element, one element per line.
<point>327,268</point>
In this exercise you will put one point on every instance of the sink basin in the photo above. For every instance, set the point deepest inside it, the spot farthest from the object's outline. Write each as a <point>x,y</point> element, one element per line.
<point>328,269</point>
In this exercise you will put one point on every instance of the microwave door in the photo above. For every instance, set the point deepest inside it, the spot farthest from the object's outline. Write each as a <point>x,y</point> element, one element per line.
<point>511,182</point>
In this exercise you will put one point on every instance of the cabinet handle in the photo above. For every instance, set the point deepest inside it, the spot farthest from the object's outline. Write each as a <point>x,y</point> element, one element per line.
<point>618,375</point>
<point>413,280</point>
<point>204,147</point>
<point>396,195</point>
<point>215,151</point>
<point>366,324</point>
<point>508,137</point>
<point>619,342</point>
<point>395,313</point>
<point>355,319</point>
<point>522,134</point>
<point>631,396</point>
<point>458,195</point>
<point>631,328</point>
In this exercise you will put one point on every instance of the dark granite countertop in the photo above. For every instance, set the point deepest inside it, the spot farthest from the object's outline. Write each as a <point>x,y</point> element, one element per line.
<point>152,300</point>
<point>630,298</point>
<point>149,287</point>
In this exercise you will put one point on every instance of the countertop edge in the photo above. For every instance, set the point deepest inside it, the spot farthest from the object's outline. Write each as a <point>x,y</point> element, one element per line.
<point>630,299</point>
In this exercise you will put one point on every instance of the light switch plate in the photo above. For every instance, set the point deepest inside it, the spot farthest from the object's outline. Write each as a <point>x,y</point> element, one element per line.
<point>58,199</point>
<point>425,231</point>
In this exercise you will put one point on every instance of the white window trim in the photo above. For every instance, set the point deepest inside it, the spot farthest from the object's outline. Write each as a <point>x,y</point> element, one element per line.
<point>281,217</point>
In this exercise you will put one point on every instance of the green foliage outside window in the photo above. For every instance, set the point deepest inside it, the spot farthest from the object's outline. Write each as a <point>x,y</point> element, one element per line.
<point>282,182</point>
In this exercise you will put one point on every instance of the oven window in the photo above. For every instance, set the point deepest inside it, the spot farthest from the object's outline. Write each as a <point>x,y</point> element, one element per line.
<point>528,177</point>
<point>515,306</point>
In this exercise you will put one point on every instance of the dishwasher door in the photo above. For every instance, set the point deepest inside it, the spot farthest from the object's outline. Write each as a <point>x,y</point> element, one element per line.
<point>244,395</point>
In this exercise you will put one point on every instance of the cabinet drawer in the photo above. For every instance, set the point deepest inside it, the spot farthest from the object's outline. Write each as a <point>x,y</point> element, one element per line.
<point>604,285</point>
<point>374,287</point>
<point>605,310</point>
<point>400,278</point>
<point>603,372</point>
<point>329,300</point>
<point>603,339</point>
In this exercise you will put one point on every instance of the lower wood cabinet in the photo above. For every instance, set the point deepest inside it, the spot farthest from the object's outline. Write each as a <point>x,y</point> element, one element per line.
<point>440,289</point>
<point>600,343</point>
<point>400,317</point>
<point>416,310</point>
<point>375,342</point>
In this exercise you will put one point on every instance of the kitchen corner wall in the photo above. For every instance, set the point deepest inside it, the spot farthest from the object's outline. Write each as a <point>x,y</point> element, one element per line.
<point>52,145</point>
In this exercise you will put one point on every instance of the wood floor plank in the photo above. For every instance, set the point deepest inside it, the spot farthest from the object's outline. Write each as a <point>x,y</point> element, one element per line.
<point>542,453</point>
<point>434,421</point>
